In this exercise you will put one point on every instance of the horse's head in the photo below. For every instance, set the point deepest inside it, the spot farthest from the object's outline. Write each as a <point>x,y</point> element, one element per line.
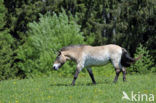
<point>60,60</point>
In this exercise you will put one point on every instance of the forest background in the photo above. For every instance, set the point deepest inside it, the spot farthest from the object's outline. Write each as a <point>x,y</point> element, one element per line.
<point>32,31</point>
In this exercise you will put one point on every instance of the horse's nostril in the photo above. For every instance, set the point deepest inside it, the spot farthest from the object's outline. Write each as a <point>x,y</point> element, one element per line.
<point>54,67</point>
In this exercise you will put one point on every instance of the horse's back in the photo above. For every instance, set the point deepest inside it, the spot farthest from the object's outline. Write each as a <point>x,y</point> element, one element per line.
<point>114,49</point>
<point>111,49</point>
<point>100,55</point>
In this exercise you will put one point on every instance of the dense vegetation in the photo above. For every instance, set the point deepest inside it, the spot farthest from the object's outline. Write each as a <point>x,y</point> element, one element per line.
<point>31,32</point>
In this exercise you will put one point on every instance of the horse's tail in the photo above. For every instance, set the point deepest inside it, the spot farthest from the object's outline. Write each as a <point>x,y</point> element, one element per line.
<point>126,60</point>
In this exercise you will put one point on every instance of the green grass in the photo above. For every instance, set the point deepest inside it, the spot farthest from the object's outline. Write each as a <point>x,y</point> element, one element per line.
<point>57,89</point>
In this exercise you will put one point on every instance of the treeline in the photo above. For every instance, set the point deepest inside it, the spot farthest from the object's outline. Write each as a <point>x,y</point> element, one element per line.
<point>127,23</point>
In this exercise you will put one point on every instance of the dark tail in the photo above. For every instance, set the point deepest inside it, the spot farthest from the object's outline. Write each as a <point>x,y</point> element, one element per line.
<point>126,60</point>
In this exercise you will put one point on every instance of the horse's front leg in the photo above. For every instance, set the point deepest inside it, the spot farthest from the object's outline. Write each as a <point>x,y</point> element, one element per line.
<point>78,69</point>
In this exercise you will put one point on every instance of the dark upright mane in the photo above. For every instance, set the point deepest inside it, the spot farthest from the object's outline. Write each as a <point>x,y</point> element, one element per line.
<point>71,46</point>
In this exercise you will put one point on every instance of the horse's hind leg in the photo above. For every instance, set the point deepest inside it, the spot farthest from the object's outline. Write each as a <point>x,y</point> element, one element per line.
<point>118,67</point>
<point>124,73</point>
<point>117,74</point>
<point>91,75</point>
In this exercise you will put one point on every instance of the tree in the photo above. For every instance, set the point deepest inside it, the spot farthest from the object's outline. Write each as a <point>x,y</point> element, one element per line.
<point>22,12</point>
<point>2,15</point>
<point>46,37</point>
<point>6,48</point>
<point>145,64</point>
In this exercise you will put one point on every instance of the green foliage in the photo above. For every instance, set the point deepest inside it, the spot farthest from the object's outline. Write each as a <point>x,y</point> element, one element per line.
<point>144,65</point>
<point>135,24</point>
<point>6,48</point>
<point>22,12</point>
<point>45,38</point>
<point>2,14</point>
<point>123,22</point>
<point>6,56</point>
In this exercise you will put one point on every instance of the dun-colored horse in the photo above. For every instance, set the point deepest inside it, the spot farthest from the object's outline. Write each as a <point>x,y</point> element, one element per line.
<point>87,56</point>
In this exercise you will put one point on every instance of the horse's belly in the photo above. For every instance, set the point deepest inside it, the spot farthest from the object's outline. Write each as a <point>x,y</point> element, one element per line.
<point>96,61</point>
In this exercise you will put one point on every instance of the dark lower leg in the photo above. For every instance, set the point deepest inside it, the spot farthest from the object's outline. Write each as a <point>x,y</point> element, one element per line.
<point>124,75</point>
<point>91,75</point>
<point>75,77</point>
<point>117,75</point>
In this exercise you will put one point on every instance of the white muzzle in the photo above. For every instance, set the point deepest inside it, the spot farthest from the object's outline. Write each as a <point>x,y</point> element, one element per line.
<point>56,66</point>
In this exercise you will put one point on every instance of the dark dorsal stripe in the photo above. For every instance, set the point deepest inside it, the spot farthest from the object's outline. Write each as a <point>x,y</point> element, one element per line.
<point>71,47</point>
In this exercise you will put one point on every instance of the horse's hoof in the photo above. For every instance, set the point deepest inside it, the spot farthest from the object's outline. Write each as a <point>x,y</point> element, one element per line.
<point>94,82</point>
<point>114,82</point>
<point>124,80</point>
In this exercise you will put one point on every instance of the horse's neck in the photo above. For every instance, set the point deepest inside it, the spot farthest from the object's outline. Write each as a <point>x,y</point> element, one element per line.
<point>71,54</point>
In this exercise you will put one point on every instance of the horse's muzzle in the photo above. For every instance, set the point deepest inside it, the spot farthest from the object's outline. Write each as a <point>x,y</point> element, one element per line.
<point>55,68</point>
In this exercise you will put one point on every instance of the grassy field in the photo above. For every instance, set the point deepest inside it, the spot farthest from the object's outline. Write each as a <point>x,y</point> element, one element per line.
<point>57,89</point>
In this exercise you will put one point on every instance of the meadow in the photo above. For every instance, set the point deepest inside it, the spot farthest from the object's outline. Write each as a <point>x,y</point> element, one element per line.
<point>33,31</point>
<point>57,89</point>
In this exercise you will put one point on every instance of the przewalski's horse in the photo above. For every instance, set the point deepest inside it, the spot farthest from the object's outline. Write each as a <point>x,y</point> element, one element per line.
<point>88,56</point>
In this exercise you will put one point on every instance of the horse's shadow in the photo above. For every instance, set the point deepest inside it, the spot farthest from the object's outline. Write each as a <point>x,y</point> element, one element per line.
<point>63,84</point>
<point>81,84</point>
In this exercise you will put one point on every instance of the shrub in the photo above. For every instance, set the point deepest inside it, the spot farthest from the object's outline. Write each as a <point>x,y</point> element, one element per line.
<point>6,56</point>
<point>146,62</point>
<point>45,38</point>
